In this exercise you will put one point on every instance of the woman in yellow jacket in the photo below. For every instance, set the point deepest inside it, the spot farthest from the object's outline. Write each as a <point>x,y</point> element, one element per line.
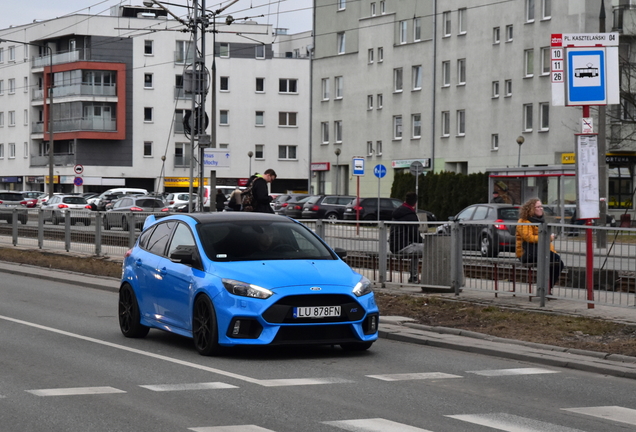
<point>527,239</point>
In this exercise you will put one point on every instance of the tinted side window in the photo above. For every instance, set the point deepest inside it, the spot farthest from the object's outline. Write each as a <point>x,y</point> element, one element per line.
<point>182,237</point>
<point>159,238</point>
<point>145,237</point>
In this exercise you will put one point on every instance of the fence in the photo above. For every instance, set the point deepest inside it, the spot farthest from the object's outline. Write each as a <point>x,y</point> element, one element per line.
<point>453,256</point>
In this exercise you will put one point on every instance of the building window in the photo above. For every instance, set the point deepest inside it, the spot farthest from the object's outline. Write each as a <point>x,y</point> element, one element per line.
<point>380,54</point>
<point>378,148</point>
<point>620,187</point>
<point>260,118</point>
<point>495,89</point>
<point>372,11</point>
<point>1,118</point>
<point>544,116</point>
<point>1,151</point>
<point>25,149</point>
<point>380,100</point>
<point>183,52</point>
<point>397,80</point>
<point>287,119</point>
<point>148,47</point>
<point>11,85</point>
<point>11,150</point>
<point>370,56</point>
<point>461,122</point>
<point>461,72</point>
<point>494,142</point>
<point>509,33</point>
<point>287,152</point>
<point>11,118</point>
<point>461,20</point>
<point>339,84</point>
<point>527,117</point>
<point>417,29</point>
<point>546,9</point>
<point>147,114</point>
<point>26,117</point>
<point>416,120</point>
<point>369,148</point>
<point>25,87</point>
<point>148,80</point>
<point>508,85</point>
<point>1,55</point>
<point>417,77</point>
<point>12,54</point>
<point>259,151</point>
<point>224,50</point>
<point>403,28</point>
<point>337,131</point>
<point>370,102</point>
<point>445,73</point>
<point>545,61</point>
<point>445,123</point>
<point>147,148</point>
<point>181,154</point>
<point>224,84</point>
<point>260,51</point>
<point>496,35</point>
<point>325,89</point>
<point>260,85</point>
<point>342,4</point>
<point>324,132</point>
<point>529,62</point>
<point>341,42</point>
<point>224,117</point>
<point>529,10</point>
<point>287,85</point>
<point>1,87</point>
<point>397,127</point>
<point>382,7</point>
<point>446,23</point>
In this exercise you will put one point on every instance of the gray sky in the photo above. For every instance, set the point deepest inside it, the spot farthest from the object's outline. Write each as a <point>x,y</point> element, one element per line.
<point>295,15</point>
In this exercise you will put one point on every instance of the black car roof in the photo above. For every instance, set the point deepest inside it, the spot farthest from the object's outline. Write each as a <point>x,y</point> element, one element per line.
<point>237,216</point>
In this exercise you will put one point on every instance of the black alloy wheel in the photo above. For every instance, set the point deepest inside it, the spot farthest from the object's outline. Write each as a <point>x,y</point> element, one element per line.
<point>129,318</point>
<point>204,327</point>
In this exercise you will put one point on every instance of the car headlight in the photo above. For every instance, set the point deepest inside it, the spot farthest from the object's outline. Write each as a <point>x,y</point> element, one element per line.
<point>363,287</point>
<point>245,289</point>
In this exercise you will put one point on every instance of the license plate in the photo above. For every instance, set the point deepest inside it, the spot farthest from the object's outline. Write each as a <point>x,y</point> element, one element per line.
<point>317,311</point>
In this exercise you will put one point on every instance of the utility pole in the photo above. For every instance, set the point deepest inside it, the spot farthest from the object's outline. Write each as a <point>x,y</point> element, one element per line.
<point>601,237</point>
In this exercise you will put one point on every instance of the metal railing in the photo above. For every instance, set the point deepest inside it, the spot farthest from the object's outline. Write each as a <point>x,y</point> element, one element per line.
<point>453,256</point>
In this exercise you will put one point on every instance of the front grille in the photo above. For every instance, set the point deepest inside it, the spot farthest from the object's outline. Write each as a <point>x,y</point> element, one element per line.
<point>283,311</point>
<point>305,334</point>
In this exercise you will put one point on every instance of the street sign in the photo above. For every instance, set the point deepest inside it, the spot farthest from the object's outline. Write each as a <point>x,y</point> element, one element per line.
<point>216,158</point>
<point>416,168</point>
<point>586,76</point>
<point>78,181</point>
<point>379,171</point>
<point>358,166</point>
<point>78,169</point>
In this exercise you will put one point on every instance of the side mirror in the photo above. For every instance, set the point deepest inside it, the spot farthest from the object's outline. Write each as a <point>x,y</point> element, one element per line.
<point>342,253</point>
<point>186,255</point>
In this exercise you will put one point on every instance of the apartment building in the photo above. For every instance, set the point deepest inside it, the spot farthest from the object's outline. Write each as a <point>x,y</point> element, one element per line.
<point>118,103</point>
<point>453,84</point>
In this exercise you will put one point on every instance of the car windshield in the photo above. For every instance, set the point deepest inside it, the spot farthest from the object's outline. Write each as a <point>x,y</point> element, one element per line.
<point>260,241</point>
<point>509,214</point>
<point>74,200</point>
<point>149,202</point>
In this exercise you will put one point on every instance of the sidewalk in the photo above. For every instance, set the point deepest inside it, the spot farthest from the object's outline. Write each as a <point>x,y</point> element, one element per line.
<point>402,329</point>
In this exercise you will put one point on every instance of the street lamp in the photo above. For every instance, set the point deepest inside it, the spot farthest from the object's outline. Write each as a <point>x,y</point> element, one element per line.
<point>337,152</point>
<point>520,141</point>
<point>50,97</point>
<point>249,155</point>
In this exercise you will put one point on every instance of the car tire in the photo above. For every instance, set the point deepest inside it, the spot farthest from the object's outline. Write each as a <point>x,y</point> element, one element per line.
<point>332,217</point>
<point>55,220</point>
<point>124,223</point>
<point>23,220</point>
<point>129,317</point>
<point>87,222</point>
<point>356,346</point>
<point>106,224</point>
<point>486,246</point>
<point>204,327</point>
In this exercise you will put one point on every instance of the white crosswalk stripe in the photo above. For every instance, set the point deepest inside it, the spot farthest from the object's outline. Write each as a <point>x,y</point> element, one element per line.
<point>413,376</point>
<point>239,428</point>
<point>509,372</point>
<point>75,391</point>
<point>301,381</point>
<point>373,425</point>
<point>192,386</point>
<point>512,423</point>
<point>613,413</point>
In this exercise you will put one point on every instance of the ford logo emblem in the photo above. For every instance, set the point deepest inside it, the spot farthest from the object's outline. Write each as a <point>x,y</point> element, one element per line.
<point>315,288</point>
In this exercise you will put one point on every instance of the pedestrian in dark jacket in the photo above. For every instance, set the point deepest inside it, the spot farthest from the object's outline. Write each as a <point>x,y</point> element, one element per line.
<point>261,192</point>
<point>220,200</point>
<point>406,238</point>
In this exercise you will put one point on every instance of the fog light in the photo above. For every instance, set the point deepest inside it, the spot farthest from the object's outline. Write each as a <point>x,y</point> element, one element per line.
<point>237,328</point>
<point>373,324</point>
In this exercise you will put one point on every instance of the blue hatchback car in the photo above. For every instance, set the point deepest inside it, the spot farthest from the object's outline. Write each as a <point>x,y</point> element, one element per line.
<point>232,278</point>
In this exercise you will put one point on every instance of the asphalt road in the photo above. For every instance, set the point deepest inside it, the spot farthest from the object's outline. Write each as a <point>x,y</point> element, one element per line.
<point>64,366</point>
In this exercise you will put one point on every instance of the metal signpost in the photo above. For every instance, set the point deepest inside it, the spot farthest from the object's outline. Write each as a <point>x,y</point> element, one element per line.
<point>358,171</point>
<point>379,171</point>
<point>417,168</point>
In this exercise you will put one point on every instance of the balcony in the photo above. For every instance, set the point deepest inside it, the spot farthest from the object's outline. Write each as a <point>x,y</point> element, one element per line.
<point>59,58</point>
<point>108,90</point>
<point>179,93</point>
<point>181,161</point>
<point>85,124</point>
<point>58,160</point>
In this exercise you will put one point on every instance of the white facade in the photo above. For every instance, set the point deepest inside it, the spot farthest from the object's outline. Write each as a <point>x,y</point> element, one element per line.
<point>143,89</point>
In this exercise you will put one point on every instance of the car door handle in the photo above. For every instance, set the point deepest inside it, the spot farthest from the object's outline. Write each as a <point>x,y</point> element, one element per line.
<point>163,271</point>
<point>138,262</point>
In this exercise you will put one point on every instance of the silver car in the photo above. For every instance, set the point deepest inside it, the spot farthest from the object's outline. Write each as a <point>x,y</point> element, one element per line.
<point>10,201</point>
<point>56,208</point>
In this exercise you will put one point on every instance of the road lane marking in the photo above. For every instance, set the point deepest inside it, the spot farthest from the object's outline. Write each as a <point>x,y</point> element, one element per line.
<point>159,356</point>
<point>192,386</point>
<point>614,413</point>
<point>241,428</point>
<point>414,376</point>
<point>302,381</point>
<point>76,391</point>
<point>373,425</point>
<point>508,372</point>
<point>512,423</point>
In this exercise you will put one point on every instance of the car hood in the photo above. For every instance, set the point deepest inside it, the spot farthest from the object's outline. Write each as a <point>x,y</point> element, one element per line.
<point>283,273</point>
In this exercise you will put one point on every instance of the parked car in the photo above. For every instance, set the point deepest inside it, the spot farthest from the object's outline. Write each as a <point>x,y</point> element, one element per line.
<point>101,201</point>
<point>10,201</point>
<point>31,198</point>
<point>176,200</point>
<point>294,209</point>
<point>485,229</point>
<point>118,215</point>
<point>368,208</point>
<point>330,207</point>
<point>281,203</point>
<point>235,278</point>
<point>56,208</point>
